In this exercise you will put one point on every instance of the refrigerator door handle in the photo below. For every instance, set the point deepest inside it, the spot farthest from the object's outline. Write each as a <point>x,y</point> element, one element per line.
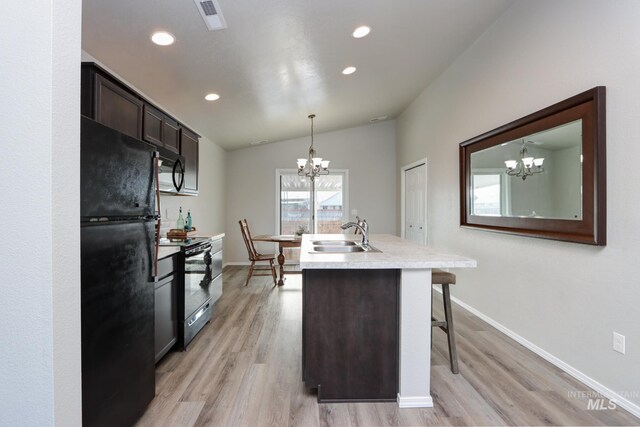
<point>177,164</point>
<point>156,170</point>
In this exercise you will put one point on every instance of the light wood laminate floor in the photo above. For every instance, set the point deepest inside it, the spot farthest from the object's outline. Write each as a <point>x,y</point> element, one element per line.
<point>244,369</point>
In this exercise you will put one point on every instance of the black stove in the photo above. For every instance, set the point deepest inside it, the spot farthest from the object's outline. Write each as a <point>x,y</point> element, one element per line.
<point>201,284</point>
<point>185,244</point>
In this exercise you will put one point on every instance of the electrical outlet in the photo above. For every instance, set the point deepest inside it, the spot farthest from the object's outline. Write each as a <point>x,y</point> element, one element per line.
<point>354,211</point>
<point>619,343</point>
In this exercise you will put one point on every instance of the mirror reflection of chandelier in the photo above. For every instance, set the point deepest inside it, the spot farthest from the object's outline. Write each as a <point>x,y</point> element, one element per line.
<point>526,166</point>
<point>313,166</point>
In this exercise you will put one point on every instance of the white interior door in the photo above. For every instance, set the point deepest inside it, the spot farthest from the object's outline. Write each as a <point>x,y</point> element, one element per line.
<point>415,193</point>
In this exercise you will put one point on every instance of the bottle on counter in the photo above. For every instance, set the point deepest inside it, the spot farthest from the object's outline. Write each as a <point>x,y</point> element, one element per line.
<point>180,222</point>
<point>188,226</point>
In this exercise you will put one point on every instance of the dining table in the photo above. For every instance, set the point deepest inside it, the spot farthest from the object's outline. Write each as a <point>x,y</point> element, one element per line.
<point>283,241</point>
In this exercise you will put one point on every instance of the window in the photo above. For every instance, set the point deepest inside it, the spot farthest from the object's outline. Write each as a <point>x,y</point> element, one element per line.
<point>295,203</point>
<point>297,195</point>
<point>490,193</point>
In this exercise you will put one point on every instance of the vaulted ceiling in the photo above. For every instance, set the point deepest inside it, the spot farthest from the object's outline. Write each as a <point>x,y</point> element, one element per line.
<point>280,60</point>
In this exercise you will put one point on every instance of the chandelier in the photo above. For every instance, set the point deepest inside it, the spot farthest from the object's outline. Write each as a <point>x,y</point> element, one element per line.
<point>526,166</point>
<point>313,166</point>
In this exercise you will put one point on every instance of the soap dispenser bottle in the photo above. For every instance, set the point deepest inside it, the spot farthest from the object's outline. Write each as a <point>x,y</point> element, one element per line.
<point>180,222</point>
<point>188,225</point>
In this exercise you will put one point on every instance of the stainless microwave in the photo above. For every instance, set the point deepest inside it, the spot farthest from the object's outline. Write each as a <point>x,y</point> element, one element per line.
<point>170,171</point>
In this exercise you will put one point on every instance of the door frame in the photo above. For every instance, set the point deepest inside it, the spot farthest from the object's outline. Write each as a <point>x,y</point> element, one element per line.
<point>403,171</point>
<point>345,195</point>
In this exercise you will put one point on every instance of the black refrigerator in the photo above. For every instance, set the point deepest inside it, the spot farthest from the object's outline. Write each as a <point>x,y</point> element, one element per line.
<point>117,220</point>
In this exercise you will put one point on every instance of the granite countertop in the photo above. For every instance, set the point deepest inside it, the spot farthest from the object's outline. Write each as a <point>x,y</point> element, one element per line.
<point>395,253</point>
<point>165,251</point>
<point>217,236</point>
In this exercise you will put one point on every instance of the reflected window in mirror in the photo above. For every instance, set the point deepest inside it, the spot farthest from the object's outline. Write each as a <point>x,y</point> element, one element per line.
<point>490,195</point>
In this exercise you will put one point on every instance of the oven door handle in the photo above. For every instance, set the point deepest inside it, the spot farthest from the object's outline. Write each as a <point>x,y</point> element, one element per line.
<point>197,251</point>
<point>198,315</point>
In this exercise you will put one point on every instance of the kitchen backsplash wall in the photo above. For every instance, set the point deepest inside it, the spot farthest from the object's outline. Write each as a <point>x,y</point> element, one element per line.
<point>208,207</point>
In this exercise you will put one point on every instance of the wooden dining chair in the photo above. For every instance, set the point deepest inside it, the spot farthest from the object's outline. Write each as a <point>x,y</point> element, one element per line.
<point>254,256</point>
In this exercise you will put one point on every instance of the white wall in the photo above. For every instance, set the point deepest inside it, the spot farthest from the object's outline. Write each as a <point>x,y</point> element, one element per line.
<point>208,207</point>
<point>565,298</point>
<point>368,152</point>
<point>40,169</point>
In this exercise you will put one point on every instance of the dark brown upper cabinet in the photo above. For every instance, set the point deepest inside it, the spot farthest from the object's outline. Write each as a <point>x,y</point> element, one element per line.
<point>160,129</point>
<point>543,175</point>
<point>111,104</point>
<point>109,101</point>
<point>152,125</point>
<point>171,134</point>
<point>189,146</point>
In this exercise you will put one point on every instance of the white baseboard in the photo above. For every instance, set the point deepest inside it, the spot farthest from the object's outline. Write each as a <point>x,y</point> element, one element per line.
<point>586,380</point>
<point>415,401</point>
<point>249,263</point>
<point>236,263</point>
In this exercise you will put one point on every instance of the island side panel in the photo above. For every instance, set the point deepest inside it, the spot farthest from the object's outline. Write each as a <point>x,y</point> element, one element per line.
<point>351,333</point>
<point>415,339</point>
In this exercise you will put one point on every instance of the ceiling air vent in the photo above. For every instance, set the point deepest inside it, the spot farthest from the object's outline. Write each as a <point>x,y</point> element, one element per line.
<point>210,12</point>
<point>208,8</point>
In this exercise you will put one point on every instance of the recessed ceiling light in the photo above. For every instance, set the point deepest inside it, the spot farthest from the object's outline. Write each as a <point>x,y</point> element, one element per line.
<point>361,32</point>
<point>212,97</point>
<point>162,38</point>
<point>349,70</point>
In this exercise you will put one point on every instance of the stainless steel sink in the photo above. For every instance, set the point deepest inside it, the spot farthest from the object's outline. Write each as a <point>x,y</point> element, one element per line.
<point>334,243</point>
<point>337,249</point>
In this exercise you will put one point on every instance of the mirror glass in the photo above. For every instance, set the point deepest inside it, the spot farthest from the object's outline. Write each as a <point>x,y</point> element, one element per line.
<point>542,175</point>
<point>536,176</point>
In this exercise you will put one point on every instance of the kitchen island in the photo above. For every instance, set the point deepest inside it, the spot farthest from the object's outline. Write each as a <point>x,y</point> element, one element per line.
<point>367,318</point>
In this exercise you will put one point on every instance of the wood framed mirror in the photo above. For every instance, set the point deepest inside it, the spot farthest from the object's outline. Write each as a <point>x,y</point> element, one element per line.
<point>543,175</point>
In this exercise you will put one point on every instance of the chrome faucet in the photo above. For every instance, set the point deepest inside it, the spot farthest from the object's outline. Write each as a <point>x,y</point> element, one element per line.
<point>362,226</point>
